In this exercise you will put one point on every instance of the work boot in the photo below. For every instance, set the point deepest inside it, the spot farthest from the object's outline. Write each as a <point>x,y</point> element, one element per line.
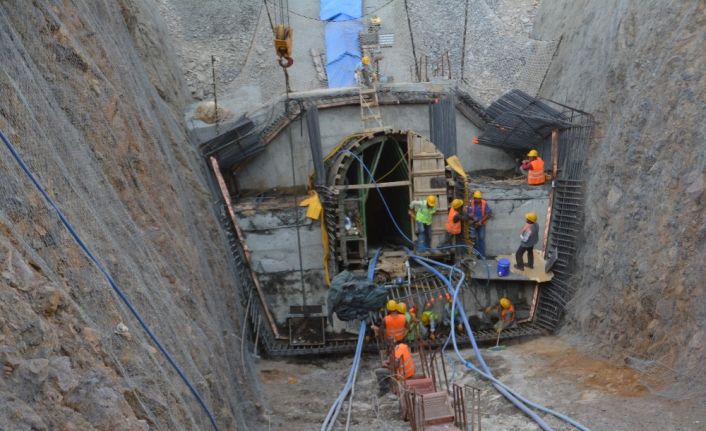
<point>521,268</point>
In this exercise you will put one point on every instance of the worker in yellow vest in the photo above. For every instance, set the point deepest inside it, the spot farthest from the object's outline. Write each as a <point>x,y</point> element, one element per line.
<point>453,226</point>
<point>422,211</point>
<point>534,166</point>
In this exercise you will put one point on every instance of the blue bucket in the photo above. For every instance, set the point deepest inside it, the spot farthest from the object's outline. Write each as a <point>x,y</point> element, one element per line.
<point>503,267</point>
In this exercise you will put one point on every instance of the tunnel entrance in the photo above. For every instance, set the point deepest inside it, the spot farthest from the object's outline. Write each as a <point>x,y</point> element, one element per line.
<point>405,167</point>
<point>388,163</point>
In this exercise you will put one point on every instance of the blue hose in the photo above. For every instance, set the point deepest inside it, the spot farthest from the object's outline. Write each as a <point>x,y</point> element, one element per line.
<point>542,424</point>
<point>389,212</point>
<point>336,406</point>
<point>108,278</point>
<point>487,373</point>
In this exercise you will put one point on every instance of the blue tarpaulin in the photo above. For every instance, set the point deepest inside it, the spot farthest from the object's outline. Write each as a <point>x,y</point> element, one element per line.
<point>340,10</point>
<point>342,52</point>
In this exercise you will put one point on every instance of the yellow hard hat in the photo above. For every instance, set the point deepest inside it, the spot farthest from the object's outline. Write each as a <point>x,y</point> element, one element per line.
<point>401,307</point>
<point>425,319</point>
<point>531,217</point>
<point>505,303</point>
<point>366,60</point>
<point>477,194</point>
<point>533,153</point>
<point>431,200</point>
<point>456,203</point>
<point>391,305</point>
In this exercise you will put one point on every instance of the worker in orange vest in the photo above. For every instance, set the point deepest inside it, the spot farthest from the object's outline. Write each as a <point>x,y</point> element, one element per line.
<point>453,226</point>
<point>507,315</point>
<point>394,325</point>
<point>479,213</point>
<point>400,366</point>
<point>534,166</point>
<point>404,364</point>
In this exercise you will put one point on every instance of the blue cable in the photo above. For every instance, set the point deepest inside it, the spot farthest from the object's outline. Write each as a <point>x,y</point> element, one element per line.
<point>108,277</point>
<point>389,212</point>
<point>542,424</point>
<point>507,392</point>
<point>488,374</point>
<point>335,407</point>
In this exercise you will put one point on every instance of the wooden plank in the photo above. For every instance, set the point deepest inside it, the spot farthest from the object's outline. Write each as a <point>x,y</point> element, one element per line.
<point>425,192</point>
<point>420,156</point>
<point>372,186</point>
<point>432,172</point>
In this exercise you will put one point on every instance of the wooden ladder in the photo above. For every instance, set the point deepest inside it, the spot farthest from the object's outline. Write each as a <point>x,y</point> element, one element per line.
<point>370,115</point>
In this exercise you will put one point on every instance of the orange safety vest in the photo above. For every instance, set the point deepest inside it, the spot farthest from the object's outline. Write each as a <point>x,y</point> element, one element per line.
<point>452,227</point>
<point>508,316</point>
<point>395,326</point>
<point>472,208</point>
<point>535,176</point>
<point>405,370</point>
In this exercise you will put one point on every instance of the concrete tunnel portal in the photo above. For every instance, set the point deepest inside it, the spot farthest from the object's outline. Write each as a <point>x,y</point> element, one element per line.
<point>385,156</point>
<point>283,257</point>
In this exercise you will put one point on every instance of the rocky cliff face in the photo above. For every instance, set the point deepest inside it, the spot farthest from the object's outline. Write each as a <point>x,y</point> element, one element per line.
<point>640,68</point>
<point>91,99</point>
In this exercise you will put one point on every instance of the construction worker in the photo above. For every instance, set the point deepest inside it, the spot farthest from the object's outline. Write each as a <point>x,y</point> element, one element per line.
<point>363,71</point>
<point>422,211</point>
<point>413,325</point>
<point>529,235</point>
<point>404,364</point>
<point>394,325</point>
<point>507,314</point>
<point>453,225</point>
<point>479,213</point>
<point>430,321</point>
<point>500,316</point>
<point>400,366</point>
<point>534,166</point>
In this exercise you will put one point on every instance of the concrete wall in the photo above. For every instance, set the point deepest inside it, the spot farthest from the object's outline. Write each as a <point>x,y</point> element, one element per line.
<point>477,157</point>
<point>272,168</point>
<point>271,235</point>
<point>509,203</point>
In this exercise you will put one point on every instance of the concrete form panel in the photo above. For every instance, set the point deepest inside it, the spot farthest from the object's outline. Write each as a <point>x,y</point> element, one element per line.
<point>509,203</point>
<point>478,157</point>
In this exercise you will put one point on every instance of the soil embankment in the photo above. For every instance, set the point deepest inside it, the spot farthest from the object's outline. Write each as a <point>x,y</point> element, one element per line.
<point>639,67</point>
<point>92,99</point>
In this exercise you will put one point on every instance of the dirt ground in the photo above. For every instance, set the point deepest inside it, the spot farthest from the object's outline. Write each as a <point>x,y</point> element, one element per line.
<point>548,370</point>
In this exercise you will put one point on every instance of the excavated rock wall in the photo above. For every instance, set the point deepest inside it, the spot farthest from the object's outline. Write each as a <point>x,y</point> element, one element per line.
<point>92,99</point>
<point>639,66</point>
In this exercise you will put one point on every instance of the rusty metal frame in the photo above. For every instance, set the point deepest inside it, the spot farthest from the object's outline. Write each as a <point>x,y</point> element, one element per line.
<point>241,238</point>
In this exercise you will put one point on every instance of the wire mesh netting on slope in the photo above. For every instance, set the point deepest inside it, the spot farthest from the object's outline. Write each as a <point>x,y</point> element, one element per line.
<point>91,104</point>
<point>498,56</point>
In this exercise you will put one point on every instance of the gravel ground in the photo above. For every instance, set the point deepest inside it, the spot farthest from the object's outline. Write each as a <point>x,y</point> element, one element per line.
<point>203,28</point>
<point>603,396</point>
